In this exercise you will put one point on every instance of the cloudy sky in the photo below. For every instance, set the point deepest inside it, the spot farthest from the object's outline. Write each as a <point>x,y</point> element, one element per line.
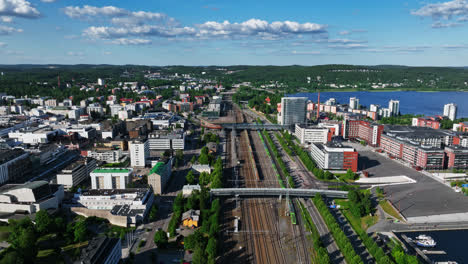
<point>223,32</point>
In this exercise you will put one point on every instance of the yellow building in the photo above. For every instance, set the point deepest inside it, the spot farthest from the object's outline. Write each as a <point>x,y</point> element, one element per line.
<point>191,218</point>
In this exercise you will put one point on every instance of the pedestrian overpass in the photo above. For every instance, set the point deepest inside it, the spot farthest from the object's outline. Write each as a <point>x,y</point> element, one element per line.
<point>277,192</point>
<point>253,126</point>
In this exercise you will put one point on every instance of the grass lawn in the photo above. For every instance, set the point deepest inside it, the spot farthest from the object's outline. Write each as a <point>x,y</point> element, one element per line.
<point>363,223</point>
<point>389,209</point>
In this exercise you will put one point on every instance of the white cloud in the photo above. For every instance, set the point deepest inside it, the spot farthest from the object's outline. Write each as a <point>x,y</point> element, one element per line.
<point>439,24</point>
<point>5,30</point>
<point>93,11</point>
<point>257,27</point>
<point>251,28</point>
<point>107,53</point>
<point>344,32</point>
<point>125,41</point>
<point>445,10</point>
<point>127,25</point>
<point>48,1</point>
<point>348,46</point>
<point>346,41</point>
<point>295,52</point>
<point>18,8</point>
<point>3,44</point>
<point>6,19</point>
<point>118,16</point>
<point>455,47</point>
<point>144,30</point>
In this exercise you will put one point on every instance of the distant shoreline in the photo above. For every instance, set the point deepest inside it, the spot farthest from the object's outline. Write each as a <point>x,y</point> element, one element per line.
<point>382,90</point>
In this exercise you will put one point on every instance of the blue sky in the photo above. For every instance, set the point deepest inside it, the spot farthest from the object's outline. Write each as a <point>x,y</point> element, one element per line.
<point>222,32</point>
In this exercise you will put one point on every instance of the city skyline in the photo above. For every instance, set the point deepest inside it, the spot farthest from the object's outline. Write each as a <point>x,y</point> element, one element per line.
<point>222,33</point>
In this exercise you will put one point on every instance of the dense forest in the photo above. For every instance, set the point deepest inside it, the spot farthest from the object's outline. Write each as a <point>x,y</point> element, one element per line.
<point>43,79</point>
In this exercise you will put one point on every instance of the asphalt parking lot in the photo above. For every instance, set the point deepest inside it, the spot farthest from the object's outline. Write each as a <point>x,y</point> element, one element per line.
<point>426,197</point>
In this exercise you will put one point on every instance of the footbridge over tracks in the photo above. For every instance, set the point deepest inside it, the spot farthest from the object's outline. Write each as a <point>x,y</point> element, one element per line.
<point>277,192</point>
<point>252,126</point>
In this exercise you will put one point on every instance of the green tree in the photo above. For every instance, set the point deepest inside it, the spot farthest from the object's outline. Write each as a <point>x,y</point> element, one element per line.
<point>161,239</point>
<point>80,231</point>
<point>43,222</point>
<point>211,248</point>
<point>190,178</point>
<point>194,159</point>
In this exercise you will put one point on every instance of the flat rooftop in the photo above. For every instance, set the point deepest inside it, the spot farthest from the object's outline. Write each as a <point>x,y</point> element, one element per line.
<point>416,132</point>
<point>112,170</point>
<point>140,192</point>
<point>126,210</point>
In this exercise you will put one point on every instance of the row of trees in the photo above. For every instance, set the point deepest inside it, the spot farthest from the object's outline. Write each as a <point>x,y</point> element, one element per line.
<point>204,242</point>
<point>341,240</point>
<point>284,145</point>
<point>360,205</point>
<point>321,251</point>
<point>279,160</point>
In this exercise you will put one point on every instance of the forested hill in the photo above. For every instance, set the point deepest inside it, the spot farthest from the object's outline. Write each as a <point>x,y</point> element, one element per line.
<point>289,78</point>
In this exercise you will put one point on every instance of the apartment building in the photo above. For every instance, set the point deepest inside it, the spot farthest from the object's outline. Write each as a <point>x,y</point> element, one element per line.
<point>110,178</point>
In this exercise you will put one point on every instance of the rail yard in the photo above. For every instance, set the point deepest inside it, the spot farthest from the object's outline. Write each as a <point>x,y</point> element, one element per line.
<point>266,230</point>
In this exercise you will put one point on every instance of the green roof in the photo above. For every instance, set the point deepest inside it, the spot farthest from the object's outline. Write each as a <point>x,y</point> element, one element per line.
<point>157,168</point>
<point>111,170</point>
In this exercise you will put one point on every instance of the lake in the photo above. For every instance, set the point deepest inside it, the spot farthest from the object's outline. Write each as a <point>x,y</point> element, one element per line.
<point>411,102</point>
<point>452,242</point>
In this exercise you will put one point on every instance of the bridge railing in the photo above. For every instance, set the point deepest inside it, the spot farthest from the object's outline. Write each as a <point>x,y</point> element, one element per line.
<point>277,192</point>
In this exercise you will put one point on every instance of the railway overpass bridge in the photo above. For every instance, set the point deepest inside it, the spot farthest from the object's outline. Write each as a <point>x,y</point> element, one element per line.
<point>277,192</point>
<point>252,126</point>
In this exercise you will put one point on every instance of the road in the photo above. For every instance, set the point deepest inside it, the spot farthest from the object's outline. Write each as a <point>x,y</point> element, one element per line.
<point>325,235</point>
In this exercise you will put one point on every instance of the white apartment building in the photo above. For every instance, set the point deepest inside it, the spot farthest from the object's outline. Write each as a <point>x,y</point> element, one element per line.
<point>110,178</point>
<point>97,108</point>
<point>109,156</point>
<point>374,108</point>
<point>101,82</point>
<point>139,153</point>
<point>51,102</point>
<point>164,140</point>
<point>307,135</point>
<point>354,103</point>
<point>394,107</point>
<point>450,111</point>
<point>331,101</point>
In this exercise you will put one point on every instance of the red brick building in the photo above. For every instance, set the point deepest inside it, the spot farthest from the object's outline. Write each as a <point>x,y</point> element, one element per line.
<point>456,157</point>
<point>363,130</point>
<point>431,122</point>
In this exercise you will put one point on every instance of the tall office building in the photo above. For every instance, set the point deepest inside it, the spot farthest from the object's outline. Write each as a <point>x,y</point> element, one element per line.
<point>293,110</point>
<point>450,111</point>
<point>354,103</point>
<point>139,153</point>
<point>394,106</point>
